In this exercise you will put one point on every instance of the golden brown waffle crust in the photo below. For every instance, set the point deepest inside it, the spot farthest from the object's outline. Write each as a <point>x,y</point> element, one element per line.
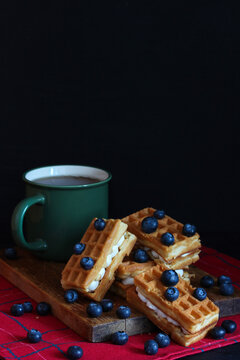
<point>174,331</point>
<point>98,245</point>
<point>192,315</point>
<point>132,268</point>
<point>109,277</point>
<point>182,245</point>
<point>120,289</point>
<point>179,262</point>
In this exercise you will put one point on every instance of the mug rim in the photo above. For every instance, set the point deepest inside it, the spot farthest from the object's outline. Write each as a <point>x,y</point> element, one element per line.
<point>32,182</point>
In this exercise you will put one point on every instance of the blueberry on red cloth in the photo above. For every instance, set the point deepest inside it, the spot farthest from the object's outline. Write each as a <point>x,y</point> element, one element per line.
<point>223,279</point>
<point>43,308</point>
<point>162,339</point>
<point>167,239</point>
<point>123,312</point>
<point>71,296</point>
<point>27,306</point>
<point>151,347</point>
<point>159,214</point>
<point>189,230</point>
<point>217,332</point>
<point>10,253</point>
<point>149,224</point>
<point>119,338</point>
<point>17,310</point>
<point>78,248</point>
<point>107,304</point>
<point>169,277</point>
<point>34,336</point>
<point>99,224</point>
<point>94,309</point>
<point>140,256</point>
<point>171,294</point>
<point>229,325</point>
<point>207,281</point>
<point>200,294</point>
<point>74,352</point>
<point>87,263</point>
<point>226,289</point>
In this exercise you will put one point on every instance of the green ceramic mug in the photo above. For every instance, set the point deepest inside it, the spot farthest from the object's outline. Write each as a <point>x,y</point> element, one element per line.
<point>58,208</point>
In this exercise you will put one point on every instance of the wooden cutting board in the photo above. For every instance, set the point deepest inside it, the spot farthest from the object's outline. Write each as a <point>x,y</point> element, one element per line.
<point>40,280</point>
<point>228,305</point>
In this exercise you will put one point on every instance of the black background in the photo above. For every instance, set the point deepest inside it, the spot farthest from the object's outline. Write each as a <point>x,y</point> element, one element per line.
<point>147,90</point>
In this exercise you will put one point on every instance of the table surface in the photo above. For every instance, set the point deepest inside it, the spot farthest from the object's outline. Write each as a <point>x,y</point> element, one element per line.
<point>226,352</point>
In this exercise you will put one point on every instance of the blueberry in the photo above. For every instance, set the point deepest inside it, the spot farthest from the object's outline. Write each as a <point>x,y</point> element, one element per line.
<point>171,294</point>
<point>162,339</point>
<point>151,347</point>
<point>119,338</point>
<point>94,310</point>
<point>149,224</point>
<point>107,305</point>
<point>10,253</point>
<point>200,294</point>
<point>226,289</point>
<point>159,214</point>
<point>223,279</point>
<point>167,239</point>
<point>229,325</point>
<point>217,332</point>
<point>87,263</point>
<point>74,352</point>
<point>123,312</point>
<point>140,256</point>
<point>169,277</point>
<point>78,248</point>
<point>99,224</point>
<point>43,308</point>
<point>27,306</point>
<point>17,310</point>
<point>189,230</point>
<point>71,296</point>
<point>34,336</point>
<point>207,281</point>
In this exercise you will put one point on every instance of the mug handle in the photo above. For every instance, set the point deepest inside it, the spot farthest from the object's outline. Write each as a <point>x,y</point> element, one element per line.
<point>17,224</point>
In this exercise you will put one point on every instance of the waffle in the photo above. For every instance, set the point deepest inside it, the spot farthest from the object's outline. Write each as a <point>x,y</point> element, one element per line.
<point>187,313</point>
<point>132,268</point>
<point>99,245</point>
<point>180,262</point>
<point>125,275</point>
<point>182,244</point>
<point>177,334</point>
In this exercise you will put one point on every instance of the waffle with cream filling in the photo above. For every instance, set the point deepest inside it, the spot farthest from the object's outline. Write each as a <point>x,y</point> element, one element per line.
<point>182,253</point>
<point>125,275</point>
<point>107,248</point>
<point>186,319</point>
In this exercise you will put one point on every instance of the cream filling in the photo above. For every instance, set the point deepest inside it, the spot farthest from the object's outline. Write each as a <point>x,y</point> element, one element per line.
<point>179,272</point>
<point>157,256</point>
<point>128,281</point>
<point>158,311</point>
<point>115,249</point>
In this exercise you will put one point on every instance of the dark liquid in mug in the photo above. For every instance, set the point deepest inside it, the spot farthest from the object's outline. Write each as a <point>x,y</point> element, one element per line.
<point>66,180</point>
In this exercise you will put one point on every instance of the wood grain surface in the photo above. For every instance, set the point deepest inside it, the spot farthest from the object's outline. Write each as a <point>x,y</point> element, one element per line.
<point>228,305</point>
<point>40,280</point>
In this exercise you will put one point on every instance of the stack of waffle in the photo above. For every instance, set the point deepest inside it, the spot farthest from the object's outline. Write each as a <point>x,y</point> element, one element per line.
<point>185,250</point>
<point>186,319</point>
<point>106,248</point>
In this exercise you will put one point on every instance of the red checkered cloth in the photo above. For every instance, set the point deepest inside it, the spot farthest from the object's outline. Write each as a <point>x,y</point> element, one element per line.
<point>56,337</point>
